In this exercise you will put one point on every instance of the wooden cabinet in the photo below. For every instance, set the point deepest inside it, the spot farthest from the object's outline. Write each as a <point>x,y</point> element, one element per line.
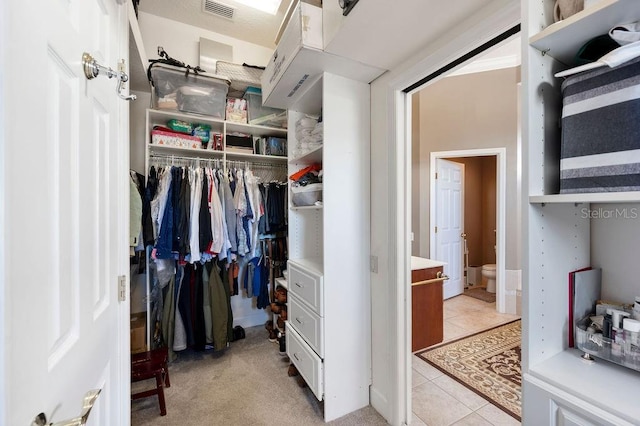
<point>427,315</point>
<point>561,234</point>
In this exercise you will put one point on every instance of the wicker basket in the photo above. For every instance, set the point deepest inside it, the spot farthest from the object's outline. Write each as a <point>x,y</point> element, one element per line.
<point>241,76</point>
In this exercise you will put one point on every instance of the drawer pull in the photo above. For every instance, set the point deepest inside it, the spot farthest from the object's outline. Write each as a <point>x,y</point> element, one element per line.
<point>299,322</point>
<point>295,355</point>
<point>298,285</point>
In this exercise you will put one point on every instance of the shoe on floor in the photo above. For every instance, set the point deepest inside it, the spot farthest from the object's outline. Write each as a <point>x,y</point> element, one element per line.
<point>301,382</point>
<point>292,371</point>
<point>273,336</point>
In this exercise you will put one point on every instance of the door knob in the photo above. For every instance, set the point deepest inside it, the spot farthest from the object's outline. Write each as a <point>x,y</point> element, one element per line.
<point>87,404</point>
<point>463,235</point>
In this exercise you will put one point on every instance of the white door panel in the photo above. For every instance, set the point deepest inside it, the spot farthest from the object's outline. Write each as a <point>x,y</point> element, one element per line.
<point>66,203</point>
<point>449,223</point>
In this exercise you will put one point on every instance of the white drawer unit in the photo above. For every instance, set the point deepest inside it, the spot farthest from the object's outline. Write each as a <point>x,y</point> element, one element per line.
<point>307,323</point>
<point>306,361</point>
<point>307,285</point>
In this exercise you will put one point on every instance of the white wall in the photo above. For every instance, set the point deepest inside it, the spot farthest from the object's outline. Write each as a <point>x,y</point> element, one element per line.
<point>181,41</point>
<point>390,208</point>
<point>470,111</point>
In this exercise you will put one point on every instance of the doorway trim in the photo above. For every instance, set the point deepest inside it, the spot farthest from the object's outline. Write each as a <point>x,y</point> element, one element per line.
<point>390,209</point>
<point>501,202</point>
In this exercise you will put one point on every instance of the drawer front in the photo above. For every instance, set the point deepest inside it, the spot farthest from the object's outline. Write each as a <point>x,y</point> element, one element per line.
<point>306,361</point>
<point>307,323</point>
<point>306,286</point>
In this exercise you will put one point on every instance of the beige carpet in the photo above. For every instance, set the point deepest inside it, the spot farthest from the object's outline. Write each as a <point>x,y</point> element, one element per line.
<point>487,363</point>
<point>246,384</point>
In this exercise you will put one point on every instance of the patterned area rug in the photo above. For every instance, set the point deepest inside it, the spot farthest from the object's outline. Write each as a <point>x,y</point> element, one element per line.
<point>487,363</point>
<point>480,293</point>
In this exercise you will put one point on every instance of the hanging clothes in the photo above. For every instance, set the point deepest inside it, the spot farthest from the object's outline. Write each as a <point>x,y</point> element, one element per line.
<point>206,228</point>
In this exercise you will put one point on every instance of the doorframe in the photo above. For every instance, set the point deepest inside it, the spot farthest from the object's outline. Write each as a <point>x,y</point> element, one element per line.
<point>501,202</point>
<point>390,130</point>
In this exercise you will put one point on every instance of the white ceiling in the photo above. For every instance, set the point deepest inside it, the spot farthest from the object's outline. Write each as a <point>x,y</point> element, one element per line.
<point>382,33</point>
<point>385,33</point>
<point>248,24</point>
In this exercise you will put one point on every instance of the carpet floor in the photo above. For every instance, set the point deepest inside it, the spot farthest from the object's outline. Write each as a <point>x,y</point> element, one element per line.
<point>245,384</point>
<point>487,363</point>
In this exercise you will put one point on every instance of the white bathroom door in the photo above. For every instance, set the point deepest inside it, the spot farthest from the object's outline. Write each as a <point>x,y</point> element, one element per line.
<point>65,198</point>
<point>449,224</point>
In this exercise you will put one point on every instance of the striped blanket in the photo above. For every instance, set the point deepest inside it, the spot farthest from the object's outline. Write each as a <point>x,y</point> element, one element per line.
<point>600,149</point>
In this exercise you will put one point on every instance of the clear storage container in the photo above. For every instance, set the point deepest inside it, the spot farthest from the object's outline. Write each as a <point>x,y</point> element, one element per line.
<point>308,195</point>
<point>263,115</point>
<point>623,350</point>
<point>177,89</point>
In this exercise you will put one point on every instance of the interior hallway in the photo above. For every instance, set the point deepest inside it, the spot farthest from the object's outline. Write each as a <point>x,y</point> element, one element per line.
<point>433,390</point>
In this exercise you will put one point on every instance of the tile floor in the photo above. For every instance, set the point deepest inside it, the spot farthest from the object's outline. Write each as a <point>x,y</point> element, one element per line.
<point>433,390</point>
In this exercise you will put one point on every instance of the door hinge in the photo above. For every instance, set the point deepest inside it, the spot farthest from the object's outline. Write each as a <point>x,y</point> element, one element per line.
<point>122,288</point>
<point>436,175</point>
<point>436,229</point>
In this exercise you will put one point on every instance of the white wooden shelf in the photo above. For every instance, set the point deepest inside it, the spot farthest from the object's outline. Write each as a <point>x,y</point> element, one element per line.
<point>311,157</point>
<point>603,384</point>
<point>315,265</point>
<point>160,117</point>
<point>296,208</point>
<point>282,282</point>
<point>563,39</point>
<point>561,385</point>
<point>208,153</point>
<point>275,159</point>
<point>600,197</point>
<point>255,130</point>
<point>138,61</point>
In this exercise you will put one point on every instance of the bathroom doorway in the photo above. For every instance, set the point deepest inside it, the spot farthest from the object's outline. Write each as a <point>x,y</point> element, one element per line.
<point>483,210</point>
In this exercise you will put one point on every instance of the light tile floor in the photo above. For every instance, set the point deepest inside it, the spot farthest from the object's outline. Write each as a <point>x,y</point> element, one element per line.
<point>437,399</point>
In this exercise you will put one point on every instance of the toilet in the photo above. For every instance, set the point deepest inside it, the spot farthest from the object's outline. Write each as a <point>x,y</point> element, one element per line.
<point>489,272</point>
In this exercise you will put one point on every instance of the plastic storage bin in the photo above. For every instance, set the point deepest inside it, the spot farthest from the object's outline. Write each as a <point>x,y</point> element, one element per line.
<point>623,350</point>
<point>202,93</point>
<point>240,75</point>
<point>308,195</point>
<point>263,115</point>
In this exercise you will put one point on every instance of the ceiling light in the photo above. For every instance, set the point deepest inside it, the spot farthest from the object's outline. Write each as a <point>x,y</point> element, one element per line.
<point>268,6</point>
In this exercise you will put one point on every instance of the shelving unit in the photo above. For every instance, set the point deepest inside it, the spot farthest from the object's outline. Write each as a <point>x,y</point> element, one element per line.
<point>160,117</point>
<point>328,326</point>
<point>559,387</point>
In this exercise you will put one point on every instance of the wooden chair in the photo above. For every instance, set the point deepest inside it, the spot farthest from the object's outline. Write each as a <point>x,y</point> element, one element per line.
<point>149,365</point>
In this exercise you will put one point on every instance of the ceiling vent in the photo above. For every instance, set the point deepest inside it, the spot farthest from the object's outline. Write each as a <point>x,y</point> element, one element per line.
<point>219,9</point>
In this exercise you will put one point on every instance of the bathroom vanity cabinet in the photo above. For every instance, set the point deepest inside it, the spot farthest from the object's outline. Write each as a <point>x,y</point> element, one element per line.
<point>426,303</point>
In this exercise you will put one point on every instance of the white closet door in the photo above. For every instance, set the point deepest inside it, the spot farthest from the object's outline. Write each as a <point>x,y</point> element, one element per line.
<point>66,202</point>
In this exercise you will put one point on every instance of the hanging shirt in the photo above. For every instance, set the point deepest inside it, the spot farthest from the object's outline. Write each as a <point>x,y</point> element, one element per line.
<point>240,204</point>
<point>215,216</point>
<point>195,180</point>
<point>229,211</point>
<point>159,202</point>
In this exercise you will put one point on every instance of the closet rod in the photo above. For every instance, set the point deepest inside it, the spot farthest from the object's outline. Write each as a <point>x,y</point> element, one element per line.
<point>181,157</point>
<point>233,163</point>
